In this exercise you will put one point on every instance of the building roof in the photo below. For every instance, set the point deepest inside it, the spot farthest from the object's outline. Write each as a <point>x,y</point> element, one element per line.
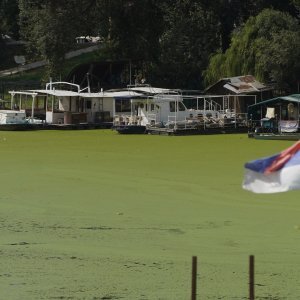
<point>241,84</point>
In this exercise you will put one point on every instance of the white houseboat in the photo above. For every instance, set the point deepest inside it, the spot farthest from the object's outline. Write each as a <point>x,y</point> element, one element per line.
<point>137,109</point>
<point>163,110</point>
<point>64,104</point>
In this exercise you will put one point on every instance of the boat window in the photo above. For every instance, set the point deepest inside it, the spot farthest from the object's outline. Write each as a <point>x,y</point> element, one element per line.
<point>291,108</point>
<point>173,107</point>
<point>292,111</point>
<point>56,103</point>
<point>122,105</point>
<point>284,115</point>
<point>181,106</point>
<point>81,105</point>
<point>152,107</point>
<point>88,104</point>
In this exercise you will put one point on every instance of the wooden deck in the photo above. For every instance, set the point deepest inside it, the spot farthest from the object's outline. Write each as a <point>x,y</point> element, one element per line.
<point>196,131</point>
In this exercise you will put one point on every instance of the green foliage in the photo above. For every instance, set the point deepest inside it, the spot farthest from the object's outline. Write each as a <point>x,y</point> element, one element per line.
<point>216,68</point>
<point>297,5</point>
<point>170,41</point>
<point>189,37</point>
<point>2,49</point>
<point>49,27</point>
<point>267,47</point>
<point>8,25</point>
<point>131,31</point>
<point>37,74</point>
<point>279,61</point>
<point>9,13</point>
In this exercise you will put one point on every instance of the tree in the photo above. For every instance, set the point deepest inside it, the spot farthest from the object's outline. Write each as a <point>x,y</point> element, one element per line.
<point>268,46</point>
<point>190,34</point>
<point>131,30</point>
<point>50,27</point>
<point>8,25</point>
<point>9,13</point>
<point>234,13</point>
<point>297,5</point>
<point>2,44</point>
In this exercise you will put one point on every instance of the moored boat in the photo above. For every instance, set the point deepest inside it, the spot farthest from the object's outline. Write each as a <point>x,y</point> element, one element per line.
<point>275,119</point>
<point>164,110</point>
<point>15,120</point>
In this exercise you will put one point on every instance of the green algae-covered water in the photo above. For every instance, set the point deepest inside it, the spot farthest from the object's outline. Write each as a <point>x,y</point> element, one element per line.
<point>98,215</point>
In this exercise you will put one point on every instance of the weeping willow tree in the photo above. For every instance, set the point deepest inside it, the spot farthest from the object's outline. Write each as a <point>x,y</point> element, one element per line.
<point>297,3</point>
<point>267,46</point>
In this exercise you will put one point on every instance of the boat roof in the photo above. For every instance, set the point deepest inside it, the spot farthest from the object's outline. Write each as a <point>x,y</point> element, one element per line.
<point>111,94</point>
<point>150,90</point>
<point>135,91</point>
<point>290,98</point>
<point>65,93</point>
<point>10,111</point>
<point>161,98</point>
<point>58,93</point>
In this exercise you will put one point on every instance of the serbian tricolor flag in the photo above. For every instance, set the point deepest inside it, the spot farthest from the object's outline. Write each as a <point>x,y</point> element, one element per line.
<point>274,174</point>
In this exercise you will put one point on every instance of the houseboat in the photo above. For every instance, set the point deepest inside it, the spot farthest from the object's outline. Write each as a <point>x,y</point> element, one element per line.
<point>276,118</point>
<point>65,105</point>
<point>163,111</point>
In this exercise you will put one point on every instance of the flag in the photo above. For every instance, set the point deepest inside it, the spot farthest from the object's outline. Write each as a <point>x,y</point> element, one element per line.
<point>274,174</point>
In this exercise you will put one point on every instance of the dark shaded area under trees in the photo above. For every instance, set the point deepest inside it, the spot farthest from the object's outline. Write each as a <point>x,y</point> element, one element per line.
<point>172,43</point>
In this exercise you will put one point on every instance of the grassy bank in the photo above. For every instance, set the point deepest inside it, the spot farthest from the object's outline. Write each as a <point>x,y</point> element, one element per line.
<point>97,215</point>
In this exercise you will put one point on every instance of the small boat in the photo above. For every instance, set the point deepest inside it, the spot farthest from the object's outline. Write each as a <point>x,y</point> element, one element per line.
<point>275,119</point>
<point>15,120</point>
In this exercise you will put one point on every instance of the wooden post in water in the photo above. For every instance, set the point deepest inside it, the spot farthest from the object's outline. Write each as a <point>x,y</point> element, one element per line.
<point>194,278</point>
<point>251,277</point>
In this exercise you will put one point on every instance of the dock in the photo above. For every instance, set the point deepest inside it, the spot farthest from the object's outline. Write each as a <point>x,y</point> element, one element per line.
<point>195,130</point>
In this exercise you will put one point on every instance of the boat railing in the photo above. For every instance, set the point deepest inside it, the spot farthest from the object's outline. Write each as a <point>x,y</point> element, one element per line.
<point>273,125</point>
<point>234,119</point>
<point>119,120</point>
<point>51,85</point>
<point>172,119</point>
<point>138,85</point>
<point>152,119</point>
<point>212,105</point>
<point>209,120</point>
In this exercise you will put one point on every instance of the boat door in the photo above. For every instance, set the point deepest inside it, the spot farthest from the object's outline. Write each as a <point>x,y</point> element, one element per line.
<point>153,113</point>
<point>88,109</point>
